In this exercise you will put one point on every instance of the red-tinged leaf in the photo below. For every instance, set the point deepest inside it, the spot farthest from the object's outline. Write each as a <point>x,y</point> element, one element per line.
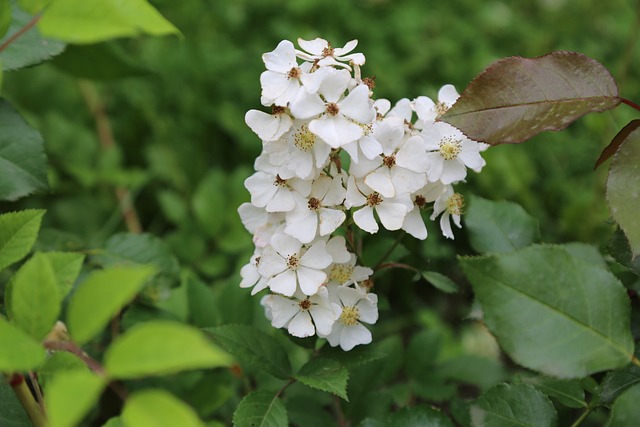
<point>516,98</point>
<point>617,141</point>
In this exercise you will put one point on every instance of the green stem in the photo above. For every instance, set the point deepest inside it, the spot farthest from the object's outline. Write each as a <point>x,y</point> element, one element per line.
<point>584,415</point>
<point>390,250</point>
<point>28,402</point>
<point>635,361</point>
<point>20,32</point>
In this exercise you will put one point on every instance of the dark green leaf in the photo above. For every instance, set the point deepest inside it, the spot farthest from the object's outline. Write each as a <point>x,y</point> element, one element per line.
<point>623,189</point>
<point>326,375</point>
<point>616,382</point>
<point>568,392</point>
<point>201,301</point>
<point>617,141</point>
<point>260,408</point>
<point>23,164</point>
<point>440,281</point>
<point>158,408</point>
<point>553,312</point>
<point>12,413</point>
<point>626,411</point>
<point>71,396</point>
<point>516,98</point>
<point>103,61</point>
<point>18,233</point>
<point>254,347</point>
<point>24,353</point>
<point>473,369</point>
<point>500,226</point>
<point>507,405</point>
<point>620,250</point>
<point>357,356</point>
<point>422,416</point>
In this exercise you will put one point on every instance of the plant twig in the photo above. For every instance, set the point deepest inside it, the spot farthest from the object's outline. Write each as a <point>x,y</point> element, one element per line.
<point>27,400</point>
<point>20,32</point>
<point>582,417</point>
<point>630,103</point>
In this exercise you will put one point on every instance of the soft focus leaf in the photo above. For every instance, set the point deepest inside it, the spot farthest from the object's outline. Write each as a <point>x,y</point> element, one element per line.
<point>326,375</point>
<point>408,417</point>
<point>357,356</point>
<point>18,233</point>
<point>584,307</point>
<point>79,22</point>
<point>33,6</point>
<point>617,141</point>
<point>23,164</point>
<point>5,16</point>
<point>626,411</point>
<point>66,267</point>
<point>71,396</point>
<point>516,98</point>
<point>507,405</point>
<point>100,297</point>
<point>30,48</point>
<point>440,281</point>
<point>499,226</point>
<point>616,382</point>
<point>623,189</point>
<point>58,363</point>
<point>568,392</point>
<point>35,297</point>
<point>24,353</point>
<point>161,347</point>
<point>12,413</point>
<point>103,61</point>
<point>260,408</point>
<point>254,347</point>
<point>158,408</point>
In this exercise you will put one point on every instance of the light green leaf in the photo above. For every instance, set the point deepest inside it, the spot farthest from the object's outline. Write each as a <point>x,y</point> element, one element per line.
<point>24,353</point>
<point>114,422</point>
<point>28,49</point>
<point>79,22</point>
<point>5,16</point>
<point>23,164</point>
<point>59,362</point>
<point>260,408</point>
<point>35,297</point>
<point>626,411</point>
<point>33,6</point>
<point>553,312</point>
<point>158,408</point>
<point>18,233</point>
<point>499,226</point>
<point>623,189</point>
<point>161,347</point>
<point>507,405</point>
<point>440,281</point>
<point>254,347</point>
<point>70,396</point>
<point>100,297</point>
<point>66,267</point>
<point>326,375</point>
<point>12,413</point>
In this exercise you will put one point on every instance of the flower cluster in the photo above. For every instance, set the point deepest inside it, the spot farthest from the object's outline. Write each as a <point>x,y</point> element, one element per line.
<point>332,156</point>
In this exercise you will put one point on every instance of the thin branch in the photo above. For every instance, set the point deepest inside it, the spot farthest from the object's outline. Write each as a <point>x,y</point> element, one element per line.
<point>20,32</point>
<point>396,265</point>
<point>582,417</point>
<point>630,103</point>
<point>28,402</point>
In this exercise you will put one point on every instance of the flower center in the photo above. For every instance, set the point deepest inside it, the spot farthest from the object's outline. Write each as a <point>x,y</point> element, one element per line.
<point>313,204</point>
<point>450,148</point>
<point>370,82</point>
<point>293,262</point>
<point>350,315</point>
<point>304,139</point>
<point>440,108</point>
<point>279,182</point>
<point>294,73</point>
<point>367,284</point>
<point>419,201</point>
<point>455,203</point>
<point>276,109</point>
<point>305,304</point>
<point>374,199</point>
<point>341,273</point>
<point>389,161</point>
<point>327,51</point>
<point>332,108</point>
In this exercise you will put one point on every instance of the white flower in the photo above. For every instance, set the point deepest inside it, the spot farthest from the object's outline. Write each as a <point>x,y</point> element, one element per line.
<point>281,82</point>
<point>357,307</point>
<point>413,222</point>
<point>346,273</point>
<point>302,315</point>
<point>321,50</point>
<point>251,277</point>
<point>268,127</point>
<point>428,111</point>
<point>317,214</point>
<point>291,266</point>
<point>450,204</point>
<point>451,153</point>
<point>260,223</point>
<point>274,193</point>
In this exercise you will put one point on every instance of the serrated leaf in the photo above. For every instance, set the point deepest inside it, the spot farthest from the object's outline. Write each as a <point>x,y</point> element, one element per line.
<point>499,226</point>
<point>18,233</point>
<point>623,189</point>
<point>24,353</point>
<point>101,61</point>
<point>615,383</point>
<point>552,312</point>
<point>70,397</point>
<point>66,267</point>
<point>440,281</point>
<point>100,297</point>
<point>326,375</point>
<point>507,405</point>
<point>30,48</point>
<point>159,348</point>
<point>568,392</point>
<point>617,141</point>
<point>23,164</point>
<point>354,357</point>
<point>254,347</point>
<point>79,22</point>
<point>620,250</point>
<point>625,411</point>
<point>262,409</point>
<point>35,297</point>
<point>516,98</point>
<point>158,408</point>
<point>12,413</point>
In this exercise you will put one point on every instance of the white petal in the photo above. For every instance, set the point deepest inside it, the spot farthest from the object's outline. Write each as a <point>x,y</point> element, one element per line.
<point>337,248</point>
<point>352,336</point>
<point>317,256</point>
<point>261,187</point>
<point>380,181</point>
<point>368,310</point>
<point>391,215</point>
<point>436,163</point>
<point>356,105</point>
<point>452,171</point>
<point>413,155</point>
<point>448,94</point>
<point>330,220</point>
<point>284,283</point>
<point>282,58</point>
<point>339,51</point>
<point>365,220</point>
<point>445,225</point>
<point>354,196</point>
<point>301,325</point>
<point>285,245</point>
<point>414,225</point>
<point>307,105</point>
<point>324,317</point>
<point>334,337</point>
<point>275,85</point>
<point>334,84</point>
<point>335,130</point>
<point>267,126</point>
<point>370,147</point>
<point>282,309</point>
<point>302,224</point>
<point>282,201</point>
<point>252,216</point>
<point>315,46</point>
<point>310,279</point>
<point>271,263</point>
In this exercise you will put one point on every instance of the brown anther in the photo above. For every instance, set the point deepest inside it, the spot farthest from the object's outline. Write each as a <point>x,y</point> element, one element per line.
<point>292,262</point>
<point>276,109</point>
<point>389,161</point>
<point>374,199</point>
<point>294,73</point>
<point>370,82</point>
<point>313,204</point>
<point>367,284</point>
<point>305,304</point>
<point>279,182</point>
<point>332,108</point>
<point>327,51</point>
<point>420,201</point>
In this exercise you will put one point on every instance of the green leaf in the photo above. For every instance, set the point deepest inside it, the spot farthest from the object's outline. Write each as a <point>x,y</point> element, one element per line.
<point>507,405</point>
<point>33,6</point>
<point>59,362</point>
<point>28,49</point>
<point>625,411</point>
<point>12,413</point>
<point>615,383</point>
<point>21,352</point>
<point>516,98</point>
<point>357,356</point>
<point>71,396</point>
<point>158,408</point>
<point>422,416</point>
<point>620,250</point>
<point>18,233</point>
<point>553,312</point>
<point>35,297</point>
<point>441,282</point>
<point>100,297</point>
<point>501,226</point>
<point>79,22</point>
<point>23,164</point>
<point>66,267</point>
<point>617,141</point>
<point>260,408</point>
<point>114,422</point>
<point>201,300</point>
<point>102,61</point>
<point>623,183</point>
<point>161,347</point>
<point>5,16</point>
<point>254,347</point>
<point>568,392</point>
<point>326,375</point>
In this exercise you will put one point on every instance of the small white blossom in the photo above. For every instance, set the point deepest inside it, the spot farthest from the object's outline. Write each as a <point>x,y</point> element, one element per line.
<point>321,50</point>
<point>268,127</point>
<point>428,111</point>
<point>357,307</point>
<point>274,193</point>
<point>450,205</point>
<point>251,277</point>
<point>346,273</point>
<point>413,222</point>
